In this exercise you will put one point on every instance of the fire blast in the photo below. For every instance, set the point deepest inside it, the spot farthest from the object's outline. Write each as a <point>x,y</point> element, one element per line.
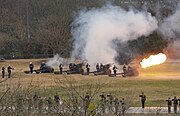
<point>153,60</point>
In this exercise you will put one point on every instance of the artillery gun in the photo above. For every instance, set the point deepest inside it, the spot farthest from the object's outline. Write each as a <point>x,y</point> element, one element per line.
<point>75,69</point>
<point>132,71</point>
<point>43,69</point>
<point>105,70</point>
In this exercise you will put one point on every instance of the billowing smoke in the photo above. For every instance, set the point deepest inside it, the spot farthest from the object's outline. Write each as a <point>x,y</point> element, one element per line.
<point>170,28</point>
<point>56,60</point>
<point>94,30</point>
<point>171,25</point>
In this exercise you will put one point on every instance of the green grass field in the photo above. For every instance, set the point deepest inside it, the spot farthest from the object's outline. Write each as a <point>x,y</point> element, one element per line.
<point>158,82</point>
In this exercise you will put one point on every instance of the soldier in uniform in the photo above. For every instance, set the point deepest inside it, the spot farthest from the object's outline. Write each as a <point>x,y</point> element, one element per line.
<point>3,72</point>
<point>60,68</point>
<point>169,103</point>
<point>115,70</point>
<point>175,103</point>
<point>143,99</point>
<point>97,67</point>
<point>101,66</point>
<point>124,70</point>
<point>87,68</point>
<point>31,66</point>
<point>123,105</point>
<point>9,71</point>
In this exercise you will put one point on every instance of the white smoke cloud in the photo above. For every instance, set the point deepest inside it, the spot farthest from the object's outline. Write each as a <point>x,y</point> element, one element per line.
<point>56,60</point>
<point>170,28</point>
<point>93,31</point>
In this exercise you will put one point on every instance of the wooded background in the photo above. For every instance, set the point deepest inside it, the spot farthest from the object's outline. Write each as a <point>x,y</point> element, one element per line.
<point>42,28</point>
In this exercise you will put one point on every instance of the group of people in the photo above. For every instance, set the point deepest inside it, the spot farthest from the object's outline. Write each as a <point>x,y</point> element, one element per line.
<point>169,101</point>
<point>175,104</point>
<point>9,68</point>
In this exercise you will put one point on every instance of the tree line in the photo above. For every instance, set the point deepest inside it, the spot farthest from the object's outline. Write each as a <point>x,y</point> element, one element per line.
<point>43,27</point>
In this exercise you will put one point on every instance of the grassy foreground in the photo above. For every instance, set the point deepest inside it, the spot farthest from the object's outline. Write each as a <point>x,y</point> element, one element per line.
<point>158,82</point>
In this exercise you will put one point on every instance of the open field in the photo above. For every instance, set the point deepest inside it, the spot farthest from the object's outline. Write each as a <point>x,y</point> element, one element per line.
<point>158,82</point>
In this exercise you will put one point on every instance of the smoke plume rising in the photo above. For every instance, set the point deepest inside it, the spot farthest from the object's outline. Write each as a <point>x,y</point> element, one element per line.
<point>94,30</point>
<point>170,28</point>
<point>171,25</point>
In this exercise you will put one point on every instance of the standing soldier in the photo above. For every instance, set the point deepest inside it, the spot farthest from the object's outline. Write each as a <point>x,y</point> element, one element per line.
<point>169,103</point>
<point>115,70</point>
<point>31,66</point>
<point>87,68</point>
<point>60,68</point>
<point>9,71</point>
<point>143,99</point>
<point>124,69</point>
<point>97,67</point>
<point>175,103</point>
<point>101,66</point>
<point>3,72</point>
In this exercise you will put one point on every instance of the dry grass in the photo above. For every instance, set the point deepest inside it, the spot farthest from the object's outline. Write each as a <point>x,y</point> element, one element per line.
<point>158,82</point>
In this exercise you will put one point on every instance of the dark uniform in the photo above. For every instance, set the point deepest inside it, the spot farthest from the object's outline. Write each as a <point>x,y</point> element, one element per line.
<point>3,72</point>
<point>115,70</point>
<point>101,66</point>
<point>175,103</point>
<point>60,68</point>
<point>124,69</point>
<point>143,99</point>
<point>31,66</point>
<point>9,71</point>
<point>87,68</point>
<point>169,103</point>
<point>97,67</point>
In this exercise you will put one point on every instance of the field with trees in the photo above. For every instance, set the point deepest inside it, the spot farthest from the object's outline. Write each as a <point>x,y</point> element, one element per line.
<point>33,29</point>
